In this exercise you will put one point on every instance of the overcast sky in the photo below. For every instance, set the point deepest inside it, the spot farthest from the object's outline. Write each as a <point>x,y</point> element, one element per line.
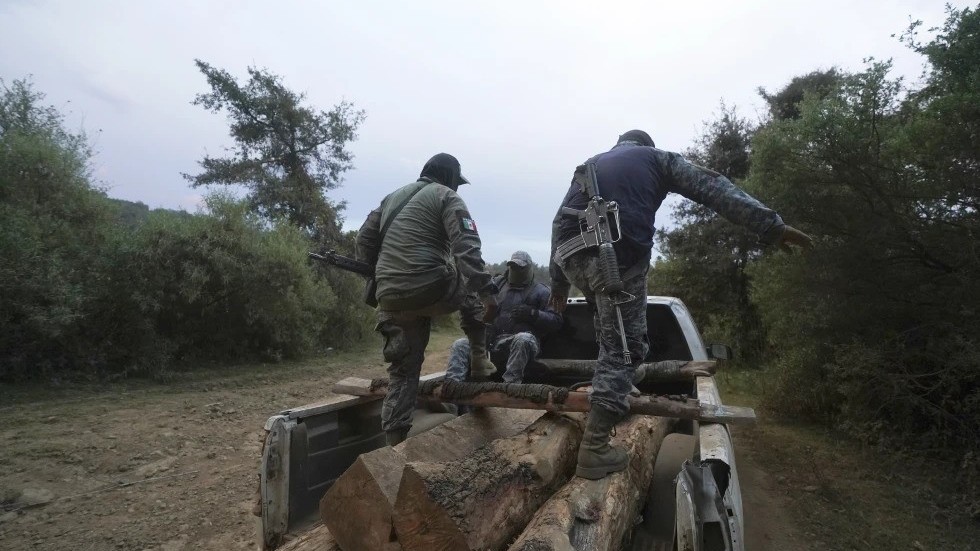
<point>520,92</point>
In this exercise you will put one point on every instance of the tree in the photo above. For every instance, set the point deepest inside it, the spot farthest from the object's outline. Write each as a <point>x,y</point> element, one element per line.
<point>785,104</point>
<point>876,324</point>
<point>287,154</point>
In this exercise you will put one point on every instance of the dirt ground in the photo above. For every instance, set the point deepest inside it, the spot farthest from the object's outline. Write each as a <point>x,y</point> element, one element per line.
<point>170,467</point>
<point>808,487</point>
<point>150,466</point>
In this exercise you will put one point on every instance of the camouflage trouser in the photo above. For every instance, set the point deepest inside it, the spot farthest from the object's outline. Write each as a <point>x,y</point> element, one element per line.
<point>519,349</point>
<point>406,334</point>
<point>613,378</point>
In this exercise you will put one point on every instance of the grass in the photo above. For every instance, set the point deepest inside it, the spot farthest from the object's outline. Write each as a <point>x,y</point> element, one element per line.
<point>849,495</point>
<point>365,355</point>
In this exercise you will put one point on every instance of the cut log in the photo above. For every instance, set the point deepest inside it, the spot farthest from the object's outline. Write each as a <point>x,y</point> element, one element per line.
<point>357,508</point>
<point>551,398</point>
<point>671,370</point>
<point>486,498</point>
<point>317,538</point>
<point>596,515</point>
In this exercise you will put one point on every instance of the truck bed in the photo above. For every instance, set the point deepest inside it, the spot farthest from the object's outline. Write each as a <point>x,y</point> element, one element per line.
<point>308,447</point>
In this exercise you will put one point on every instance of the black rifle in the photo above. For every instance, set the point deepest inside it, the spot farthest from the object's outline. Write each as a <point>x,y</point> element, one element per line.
<point>598,227</point>
<point>344,263</point>
<point>351,265</point>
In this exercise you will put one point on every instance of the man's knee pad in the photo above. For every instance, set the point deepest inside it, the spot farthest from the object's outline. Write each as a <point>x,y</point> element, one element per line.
<point>396,344</point>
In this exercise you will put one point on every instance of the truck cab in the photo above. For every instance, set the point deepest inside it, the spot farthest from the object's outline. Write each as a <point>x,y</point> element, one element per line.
<point>694,502</point>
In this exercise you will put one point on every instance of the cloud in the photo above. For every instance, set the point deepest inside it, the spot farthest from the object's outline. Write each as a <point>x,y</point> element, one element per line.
<point>520,92</point>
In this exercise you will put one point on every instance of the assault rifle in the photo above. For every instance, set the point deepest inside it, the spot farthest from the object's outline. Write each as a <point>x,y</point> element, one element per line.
<point>344,263</point>
<point>598,227</point>
<point>351,265</point>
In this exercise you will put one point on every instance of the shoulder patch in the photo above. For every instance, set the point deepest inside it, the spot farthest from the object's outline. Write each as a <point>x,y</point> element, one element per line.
<point>466,223</point>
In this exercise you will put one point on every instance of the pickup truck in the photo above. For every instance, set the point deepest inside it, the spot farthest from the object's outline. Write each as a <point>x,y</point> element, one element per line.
<point>694,502</point>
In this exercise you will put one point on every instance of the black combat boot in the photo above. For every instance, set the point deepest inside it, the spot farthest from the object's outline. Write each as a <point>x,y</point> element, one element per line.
<point>481,368</point>
<point>596,458</point>
<point>396,436</point>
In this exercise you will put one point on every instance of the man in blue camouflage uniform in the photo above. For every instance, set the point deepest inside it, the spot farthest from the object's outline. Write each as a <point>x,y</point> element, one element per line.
<point>637,176</point>
<point>522,322</point>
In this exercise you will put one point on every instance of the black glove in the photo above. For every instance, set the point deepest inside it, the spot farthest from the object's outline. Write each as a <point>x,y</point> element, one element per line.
<point>524,313</point>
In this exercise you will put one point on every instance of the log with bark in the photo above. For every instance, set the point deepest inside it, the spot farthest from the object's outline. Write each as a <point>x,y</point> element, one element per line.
<point>550,398</point>
<point>596,515</point>
<point>357,508</point>
<point>669,370</point>
<point>485,499</point>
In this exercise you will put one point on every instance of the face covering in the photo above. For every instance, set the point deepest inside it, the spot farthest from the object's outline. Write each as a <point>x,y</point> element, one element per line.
<point>519,276</point>
<point>443,168</point>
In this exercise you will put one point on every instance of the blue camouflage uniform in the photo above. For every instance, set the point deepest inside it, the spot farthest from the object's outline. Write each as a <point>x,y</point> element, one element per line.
<point>638,178</point>
<point>517,341</point>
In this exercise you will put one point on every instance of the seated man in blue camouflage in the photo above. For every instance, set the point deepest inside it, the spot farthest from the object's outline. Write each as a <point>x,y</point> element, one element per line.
<point>524,319</point>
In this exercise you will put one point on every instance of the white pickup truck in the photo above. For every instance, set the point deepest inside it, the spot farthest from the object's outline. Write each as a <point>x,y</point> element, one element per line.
<point>694,501</point>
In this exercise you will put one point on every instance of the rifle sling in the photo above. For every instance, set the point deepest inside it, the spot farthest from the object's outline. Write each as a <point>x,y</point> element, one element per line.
<point>394,213</point>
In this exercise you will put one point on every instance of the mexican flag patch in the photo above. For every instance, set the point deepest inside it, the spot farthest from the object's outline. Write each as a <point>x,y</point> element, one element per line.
<point>466,223</point>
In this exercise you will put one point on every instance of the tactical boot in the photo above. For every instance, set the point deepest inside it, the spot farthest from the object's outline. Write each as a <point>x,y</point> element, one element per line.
<point>396,436</point>
<point>481,368</point>
<point>596,458</point>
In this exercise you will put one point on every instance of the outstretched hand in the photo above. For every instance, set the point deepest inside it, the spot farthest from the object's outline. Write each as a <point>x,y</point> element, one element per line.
<point>557,302</point>
<point>793,236</point>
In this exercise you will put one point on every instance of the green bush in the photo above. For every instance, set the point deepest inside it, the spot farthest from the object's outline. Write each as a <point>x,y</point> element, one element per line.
<point>53,228</point>
<point>875,328</point>
<point>90,290</point>
<point>220,286</point>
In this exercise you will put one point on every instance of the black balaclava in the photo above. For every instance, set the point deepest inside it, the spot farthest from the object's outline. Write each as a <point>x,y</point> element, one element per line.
<point>519,276</point>
<point>637,136</point>
<point>520,269</point>
<point>444,168</point>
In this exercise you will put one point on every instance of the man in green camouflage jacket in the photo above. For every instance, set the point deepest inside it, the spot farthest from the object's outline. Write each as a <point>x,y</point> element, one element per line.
<point>427,263</point>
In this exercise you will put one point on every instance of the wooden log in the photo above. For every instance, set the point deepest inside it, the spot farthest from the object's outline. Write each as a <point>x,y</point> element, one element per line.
<point>486,498</point>
<point>596,515</point>
<point>357,508</point>
<point>672,370</point>
<point>551,398</point>
<point>317,538</point>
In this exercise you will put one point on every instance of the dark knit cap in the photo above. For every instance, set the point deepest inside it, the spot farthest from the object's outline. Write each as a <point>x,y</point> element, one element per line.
<point>637,136</point>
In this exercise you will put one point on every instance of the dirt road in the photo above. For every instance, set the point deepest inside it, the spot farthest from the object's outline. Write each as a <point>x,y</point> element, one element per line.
<point>151,466</point>
<point>191,448</point>
<point>769,524</point>
<point>171,467</point>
